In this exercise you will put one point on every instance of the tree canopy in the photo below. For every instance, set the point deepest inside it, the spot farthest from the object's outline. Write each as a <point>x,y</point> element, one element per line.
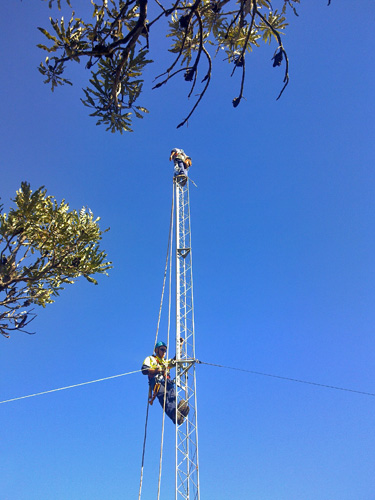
<point>115,42</point>
<point>44,246</point>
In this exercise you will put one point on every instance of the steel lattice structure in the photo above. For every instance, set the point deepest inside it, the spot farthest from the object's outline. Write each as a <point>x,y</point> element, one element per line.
<point>187,466</point>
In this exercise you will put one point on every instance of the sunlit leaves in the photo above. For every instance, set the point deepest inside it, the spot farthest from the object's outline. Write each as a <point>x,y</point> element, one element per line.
<point>115,40</point>
<point>43,246</point>
<point>114,109</point>
<point>276,24</point>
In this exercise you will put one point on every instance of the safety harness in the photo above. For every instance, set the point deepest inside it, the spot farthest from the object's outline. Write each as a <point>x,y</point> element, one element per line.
<point>153,393</point>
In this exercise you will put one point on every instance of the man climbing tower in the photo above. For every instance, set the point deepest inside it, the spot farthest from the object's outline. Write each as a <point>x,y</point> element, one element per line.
<point>157,368</point>
<point>182,162</point>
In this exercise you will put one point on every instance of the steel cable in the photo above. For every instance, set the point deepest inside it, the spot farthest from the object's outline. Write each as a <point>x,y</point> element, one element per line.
<point>70,386</point>
<point>287,378</point>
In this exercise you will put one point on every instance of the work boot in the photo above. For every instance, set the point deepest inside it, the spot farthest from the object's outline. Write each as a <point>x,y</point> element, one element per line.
<point>183,408</point>
<point>180,419</point>
<point>182,411</point>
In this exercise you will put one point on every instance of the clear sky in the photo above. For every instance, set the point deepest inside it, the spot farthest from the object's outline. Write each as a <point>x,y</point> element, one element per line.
<point>283,242</point>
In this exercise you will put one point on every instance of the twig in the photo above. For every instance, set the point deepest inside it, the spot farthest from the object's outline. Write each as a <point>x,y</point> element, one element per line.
<point>195,65</point>
<point>208,79</point>
<point>280,47</point>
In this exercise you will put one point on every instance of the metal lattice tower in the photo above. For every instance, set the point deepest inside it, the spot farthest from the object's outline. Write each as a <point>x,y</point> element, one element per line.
<point>187,467</point>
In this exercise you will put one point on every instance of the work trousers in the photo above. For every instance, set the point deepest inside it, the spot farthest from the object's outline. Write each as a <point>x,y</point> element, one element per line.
<point>180,168</point>
<point>170,400</point>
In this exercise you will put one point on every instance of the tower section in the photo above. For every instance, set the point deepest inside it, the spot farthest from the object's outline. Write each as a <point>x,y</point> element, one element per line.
<point>187,465</point>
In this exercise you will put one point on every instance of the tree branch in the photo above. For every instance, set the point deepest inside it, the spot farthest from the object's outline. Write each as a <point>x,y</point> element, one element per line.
<point>280,48</point>
<point>208,79</point>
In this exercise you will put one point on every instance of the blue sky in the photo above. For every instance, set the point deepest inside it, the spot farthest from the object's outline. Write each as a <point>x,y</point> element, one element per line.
<point>283,243</point>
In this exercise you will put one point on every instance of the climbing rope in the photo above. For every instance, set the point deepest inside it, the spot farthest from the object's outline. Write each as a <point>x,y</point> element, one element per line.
<point>168,262</point>
<point>143,452</point>
<point>169,250</point>
<point>168,332</point>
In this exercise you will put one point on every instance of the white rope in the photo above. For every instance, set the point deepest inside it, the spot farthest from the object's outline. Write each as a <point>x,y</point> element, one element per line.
<point>144,451</point>
<point>166,267</point>
<point>169,328</point>
<point>69,386</point>
<point>168,260</point>
<point>162,438</point>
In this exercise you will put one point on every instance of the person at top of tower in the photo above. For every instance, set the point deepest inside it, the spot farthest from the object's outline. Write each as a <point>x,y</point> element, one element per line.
<point>157,369</point>
<point>182,163</point>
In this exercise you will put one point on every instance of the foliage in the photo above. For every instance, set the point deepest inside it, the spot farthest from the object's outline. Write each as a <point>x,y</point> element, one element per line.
<point>115,43</point>
<point>44,246</point>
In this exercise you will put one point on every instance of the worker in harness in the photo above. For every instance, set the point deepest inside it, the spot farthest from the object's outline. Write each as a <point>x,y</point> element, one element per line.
<point>157,368</point>
<point>182,163</point>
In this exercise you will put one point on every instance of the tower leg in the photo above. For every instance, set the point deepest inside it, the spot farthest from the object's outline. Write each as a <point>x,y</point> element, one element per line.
<point>187,465</point>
